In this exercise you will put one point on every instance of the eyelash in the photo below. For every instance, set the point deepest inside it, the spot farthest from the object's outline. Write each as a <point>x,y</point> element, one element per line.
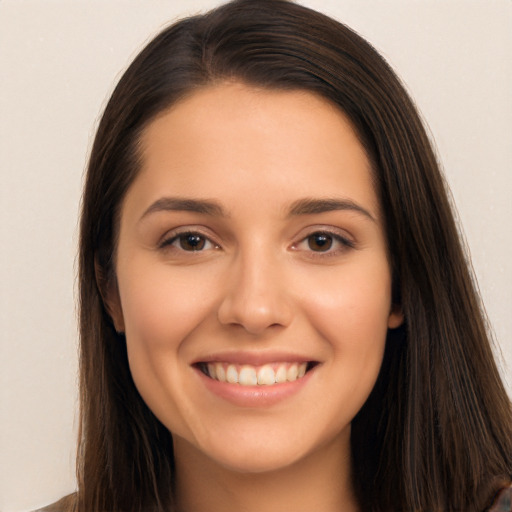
<point>170,242</point>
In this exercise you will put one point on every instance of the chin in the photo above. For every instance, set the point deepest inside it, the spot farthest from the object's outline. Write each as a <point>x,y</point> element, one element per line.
<point>269,448</point>
<point>257,460</point>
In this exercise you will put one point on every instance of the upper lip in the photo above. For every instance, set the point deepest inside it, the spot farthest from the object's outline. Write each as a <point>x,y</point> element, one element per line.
<point>254,358</point>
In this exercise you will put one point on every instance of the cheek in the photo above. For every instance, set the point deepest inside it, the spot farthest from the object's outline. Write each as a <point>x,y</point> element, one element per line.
<point>351,315</point>
<point>160,309</point>
<point>351,310</point>
<point>163,307</point>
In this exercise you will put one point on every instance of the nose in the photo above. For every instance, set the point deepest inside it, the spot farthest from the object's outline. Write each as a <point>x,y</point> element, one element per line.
<point>256,296</point>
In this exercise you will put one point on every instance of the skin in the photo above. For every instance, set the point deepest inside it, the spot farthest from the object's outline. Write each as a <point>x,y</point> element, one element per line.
<point>259,284</point>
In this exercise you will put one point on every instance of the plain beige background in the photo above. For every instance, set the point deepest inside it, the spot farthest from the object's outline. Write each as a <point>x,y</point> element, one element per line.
<point>58,62</point>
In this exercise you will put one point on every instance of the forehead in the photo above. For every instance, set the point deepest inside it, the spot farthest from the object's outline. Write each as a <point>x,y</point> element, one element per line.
<point>236,139</point>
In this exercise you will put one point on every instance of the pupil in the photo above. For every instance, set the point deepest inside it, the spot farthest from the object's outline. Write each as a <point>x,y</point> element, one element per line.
<point>320,242</point>
<point>192,242</point>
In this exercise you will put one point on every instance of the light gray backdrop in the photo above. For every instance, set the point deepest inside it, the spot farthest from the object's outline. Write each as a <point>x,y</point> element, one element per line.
<point>58,62</point>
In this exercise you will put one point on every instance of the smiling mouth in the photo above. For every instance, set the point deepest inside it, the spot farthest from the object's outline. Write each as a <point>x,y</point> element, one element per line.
<point>249,375</point>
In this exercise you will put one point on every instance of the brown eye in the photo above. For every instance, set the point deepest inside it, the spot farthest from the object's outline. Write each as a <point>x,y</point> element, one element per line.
<point>192,242</point>
<point>320,242</point>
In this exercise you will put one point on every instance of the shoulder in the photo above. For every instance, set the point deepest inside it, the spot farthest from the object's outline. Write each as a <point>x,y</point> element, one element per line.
<point>503,501</point>
<point>66,504</point>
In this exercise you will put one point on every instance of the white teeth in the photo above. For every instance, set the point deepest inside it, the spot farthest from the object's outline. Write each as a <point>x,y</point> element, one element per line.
<point>220,373</point>
<point>281,373</point>
<point>248,375</point>
<point>292,372</point>
<point>232,374</point>
<point>266,375</point>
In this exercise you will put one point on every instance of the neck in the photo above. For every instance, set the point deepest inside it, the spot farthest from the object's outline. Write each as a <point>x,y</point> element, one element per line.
<point>320,481</point>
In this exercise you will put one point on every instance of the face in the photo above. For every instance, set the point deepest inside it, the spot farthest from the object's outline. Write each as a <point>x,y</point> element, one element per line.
<point>254,286</point>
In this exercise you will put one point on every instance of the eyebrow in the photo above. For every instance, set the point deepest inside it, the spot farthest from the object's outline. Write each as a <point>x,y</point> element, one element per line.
<point>308,206</point>
<point>204,206</point>
<point>305,206</point>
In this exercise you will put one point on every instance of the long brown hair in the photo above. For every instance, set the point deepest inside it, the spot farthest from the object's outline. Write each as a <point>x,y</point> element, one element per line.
<point>436,432</point>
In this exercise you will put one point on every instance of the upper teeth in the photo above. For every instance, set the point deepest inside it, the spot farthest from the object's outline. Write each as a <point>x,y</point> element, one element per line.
<point>248,375</point>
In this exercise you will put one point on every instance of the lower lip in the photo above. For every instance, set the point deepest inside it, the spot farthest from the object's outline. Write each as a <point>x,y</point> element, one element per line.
<point>254,396</point>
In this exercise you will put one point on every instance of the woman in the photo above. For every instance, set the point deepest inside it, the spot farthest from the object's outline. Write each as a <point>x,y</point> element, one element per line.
<point>276,311</point>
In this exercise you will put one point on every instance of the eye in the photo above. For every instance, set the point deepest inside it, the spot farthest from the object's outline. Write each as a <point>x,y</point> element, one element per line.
<point>320,242</point>
<point>189,241</point>
<point>324,243</point>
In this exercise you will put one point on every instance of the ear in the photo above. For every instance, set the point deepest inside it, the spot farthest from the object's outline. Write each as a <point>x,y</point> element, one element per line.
<point>110,295</point>
<point>396,316</point>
